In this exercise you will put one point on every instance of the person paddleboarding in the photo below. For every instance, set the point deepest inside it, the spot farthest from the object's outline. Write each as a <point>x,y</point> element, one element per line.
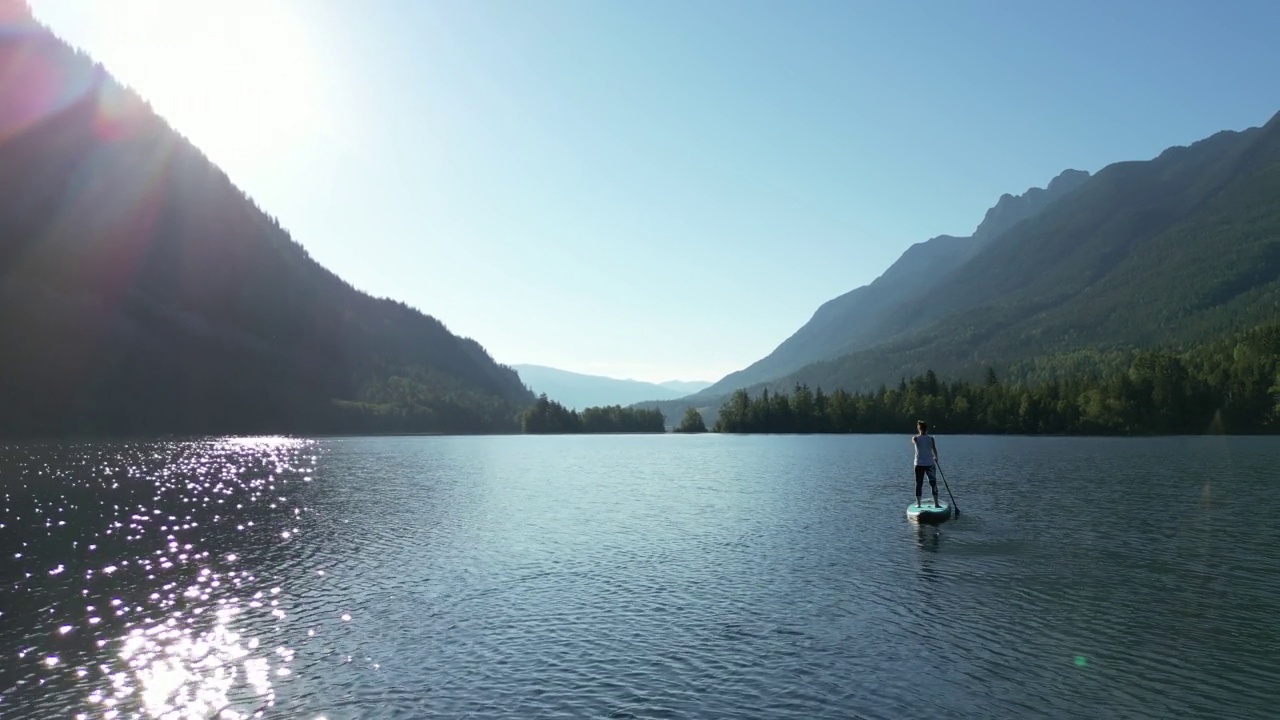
<point>926,457</point>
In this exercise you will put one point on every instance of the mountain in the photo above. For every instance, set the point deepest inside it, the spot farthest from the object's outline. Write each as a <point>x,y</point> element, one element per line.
<point>685,387</point>
<point>1179,249</point>
<point>577,391</point>
<point>869,314</point>
<point>142,292</point>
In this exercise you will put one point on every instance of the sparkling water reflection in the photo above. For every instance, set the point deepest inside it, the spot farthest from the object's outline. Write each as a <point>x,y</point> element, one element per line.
<point>138,617</point>
<point>673,576</point>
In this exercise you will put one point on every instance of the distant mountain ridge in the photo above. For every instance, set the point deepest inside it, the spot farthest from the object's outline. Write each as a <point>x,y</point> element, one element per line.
<point>1181,248</point>
<point>141,292</point>
<point>685,387</point>
<point>579,391</point>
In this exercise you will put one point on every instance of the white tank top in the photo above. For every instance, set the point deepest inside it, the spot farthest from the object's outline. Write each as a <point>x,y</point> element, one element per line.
<point>924,449</point>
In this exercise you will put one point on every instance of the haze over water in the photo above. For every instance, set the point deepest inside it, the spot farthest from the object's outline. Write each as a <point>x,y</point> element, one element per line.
<point>647,576</point>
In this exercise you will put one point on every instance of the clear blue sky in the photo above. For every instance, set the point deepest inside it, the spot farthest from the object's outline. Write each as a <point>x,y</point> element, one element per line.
<point>663,189</point>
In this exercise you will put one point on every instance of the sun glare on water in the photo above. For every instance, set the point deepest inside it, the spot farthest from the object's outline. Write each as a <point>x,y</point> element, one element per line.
<point>237,77</point>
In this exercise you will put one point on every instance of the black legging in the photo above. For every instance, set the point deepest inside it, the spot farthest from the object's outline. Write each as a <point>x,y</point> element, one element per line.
<point>933,480</point>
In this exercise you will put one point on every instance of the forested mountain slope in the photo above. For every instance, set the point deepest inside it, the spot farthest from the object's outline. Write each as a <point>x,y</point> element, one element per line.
<point>1177,250</point>
<point>142,292</point>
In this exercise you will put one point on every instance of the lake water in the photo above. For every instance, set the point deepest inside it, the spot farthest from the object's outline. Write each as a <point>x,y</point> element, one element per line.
<point>638,577</point>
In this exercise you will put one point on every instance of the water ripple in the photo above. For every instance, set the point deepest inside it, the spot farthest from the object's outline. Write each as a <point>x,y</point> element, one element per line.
<point>619,577</point>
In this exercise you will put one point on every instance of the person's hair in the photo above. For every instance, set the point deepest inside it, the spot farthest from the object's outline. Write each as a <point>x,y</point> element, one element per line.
<point>922,425</point>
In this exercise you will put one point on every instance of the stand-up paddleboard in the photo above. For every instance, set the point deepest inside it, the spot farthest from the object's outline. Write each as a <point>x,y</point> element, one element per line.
<point>926,511</point>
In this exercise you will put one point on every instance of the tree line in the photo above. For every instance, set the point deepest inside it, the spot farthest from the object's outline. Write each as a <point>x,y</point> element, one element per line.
<point>547,417</point>
<point>1227,386</point>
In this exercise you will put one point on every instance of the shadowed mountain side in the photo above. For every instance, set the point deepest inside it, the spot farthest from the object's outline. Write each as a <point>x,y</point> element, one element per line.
<point>874,312</point>
<point>579,391</point>
<point>142,292</point>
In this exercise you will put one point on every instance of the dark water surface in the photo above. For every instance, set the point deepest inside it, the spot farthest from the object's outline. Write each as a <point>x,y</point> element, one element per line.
<point>638,577</point>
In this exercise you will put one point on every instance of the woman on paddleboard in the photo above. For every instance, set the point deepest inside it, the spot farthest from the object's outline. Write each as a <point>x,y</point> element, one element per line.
<point>926,456</point>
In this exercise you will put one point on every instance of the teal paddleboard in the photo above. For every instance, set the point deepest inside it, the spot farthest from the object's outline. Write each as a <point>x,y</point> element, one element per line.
<point>926,511</point>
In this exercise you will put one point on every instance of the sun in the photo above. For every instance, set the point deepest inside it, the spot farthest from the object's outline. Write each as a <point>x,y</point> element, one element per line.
<point>239,78</point>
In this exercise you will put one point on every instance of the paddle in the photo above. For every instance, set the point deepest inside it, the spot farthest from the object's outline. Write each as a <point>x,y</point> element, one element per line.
<point>948,487</point>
